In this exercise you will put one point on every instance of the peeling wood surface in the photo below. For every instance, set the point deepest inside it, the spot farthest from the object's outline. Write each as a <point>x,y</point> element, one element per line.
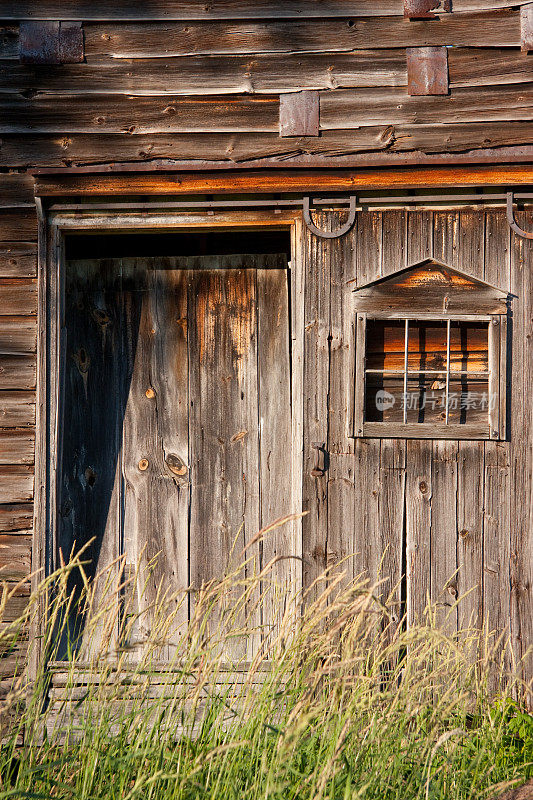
<point>231,9</point>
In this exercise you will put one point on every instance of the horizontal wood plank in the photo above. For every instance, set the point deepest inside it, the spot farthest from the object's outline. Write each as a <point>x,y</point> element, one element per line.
<point>17,409</point>
<point>18,259</point>
<point>15,188</point>
<point>18,372</point>
<point>222,9</point>
<point>63,113</point>
<point>52,150</point>
<point>211,75</point>
<point>282,180</point>
<point>332,35</point>
<point>17,446</point>
<point>16,484</point>
<point>393,106</point>
<point>18,335</point>
<point>148,39</point>
<point>15,556</point>
<point>18,225</point>
<point>16,517</point>
<point>18,296</point>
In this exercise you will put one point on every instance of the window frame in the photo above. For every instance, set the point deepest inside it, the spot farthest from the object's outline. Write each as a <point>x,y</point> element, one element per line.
<point>494,430</point>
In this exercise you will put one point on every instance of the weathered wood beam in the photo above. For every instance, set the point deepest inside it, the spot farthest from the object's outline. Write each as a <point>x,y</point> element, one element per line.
<point>281,181</point>
<point>425,9</point>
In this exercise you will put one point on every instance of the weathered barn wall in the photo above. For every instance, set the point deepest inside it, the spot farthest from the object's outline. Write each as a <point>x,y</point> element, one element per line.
<point>189,80</point>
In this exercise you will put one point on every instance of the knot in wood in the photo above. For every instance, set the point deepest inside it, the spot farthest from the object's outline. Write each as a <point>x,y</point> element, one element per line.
<point>143,464</point>
<point>150,394</point>
<point>423,487</point>
<point>176,465</point>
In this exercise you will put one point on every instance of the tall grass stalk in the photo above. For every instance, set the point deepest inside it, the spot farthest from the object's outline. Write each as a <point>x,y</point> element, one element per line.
<point>337,700</point>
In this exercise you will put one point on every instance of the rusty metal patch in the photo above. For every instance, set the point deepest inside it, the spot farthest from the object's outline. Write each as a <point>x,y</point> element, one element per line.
<point>427,71</point>
<point>526,27</point>
<point>425,9</point>
<point>299,114</point>
<point>47,42</point>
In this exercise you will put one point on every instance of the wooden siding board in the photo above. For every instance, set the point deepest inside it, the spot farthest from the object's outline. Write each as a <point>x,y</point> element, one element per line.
<point>225,9</point>
<point>497,495</point>
<point>149,39</point>
<point>18,260</point>
<point>16,517</point>
<point>419,467</point>
<point>103,113</point>
<point>17,446</point>
<point>16,484</point>
<point>521,445</point>
<point>274,403</point>
<point>341,544</point>
<point>18,336</point>
<point>17,409</point>
<point>316,377</point>
<point>262,74</point>
<point>18,225</point>
<point>470,457</point>
<point>18,297</point>
<point>17,372</point>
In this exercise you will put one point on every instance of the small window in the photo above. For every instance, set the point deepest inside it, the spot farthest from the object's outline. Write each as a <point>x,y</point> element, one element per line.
<point>425,375</point>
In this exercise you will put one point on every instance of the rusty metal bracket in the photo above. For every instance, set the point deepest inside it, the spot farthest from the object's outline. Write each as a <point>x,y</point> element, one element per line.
<point>511,220</point>
<point>329,234</point>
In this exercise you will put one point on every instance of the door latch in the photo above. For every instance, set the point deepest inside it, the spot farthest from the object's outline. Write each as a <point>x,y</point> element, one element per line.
<point>320,459</point>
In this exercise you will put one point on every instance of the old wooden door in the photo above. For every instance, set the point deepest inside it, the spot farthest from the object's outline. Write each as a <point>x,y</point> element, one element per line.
<point>176,447</point>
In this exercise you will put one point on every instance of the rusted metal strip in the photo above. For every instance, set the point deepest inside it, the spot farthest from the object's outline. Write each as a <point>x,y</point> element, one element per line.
<point>526,27</point>
<point>427,71</point>
<point>71,49</point>
<point>46,42</point>
<point>511,220</point>
<point>299,114</point>
<point>425,9</point>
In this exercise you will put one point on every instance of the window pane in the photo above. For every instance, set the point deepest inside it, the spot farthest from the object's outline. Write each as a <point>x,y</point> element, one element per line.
<point>425,400</point>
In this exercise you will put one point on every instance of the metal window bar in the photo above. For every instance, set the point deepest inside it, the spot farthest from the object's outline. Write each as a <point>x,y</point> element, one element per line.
<point>447,371</point>
<point>405,370</point>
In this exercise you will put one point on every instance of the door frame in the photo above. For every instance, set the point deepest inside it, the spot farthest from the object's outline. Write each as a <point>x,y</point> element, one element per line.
<point>54,226</point>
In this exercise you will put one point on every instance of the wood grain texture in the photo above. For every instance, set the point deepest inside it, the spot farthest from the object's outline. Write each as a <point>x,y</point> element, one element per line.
<point>316,379</point>
<point>521,450</point>
<point>497,489</point>
<point>18,225</point>
<point>17,409</point>
<point>149,39</point>
<point>18,260</point>
<point>15,517</point>
<point>18,297</point>
<point>230,9</point>
<point>15,552</point>
<point>17,372</point>
<point>16,484</point>
<point>17,446</point>
<point>18,336</point>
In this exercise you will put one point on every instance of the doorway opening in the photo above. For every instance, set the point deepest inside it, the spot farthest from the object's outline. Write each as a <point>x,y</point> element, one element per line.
<point>175,403</point>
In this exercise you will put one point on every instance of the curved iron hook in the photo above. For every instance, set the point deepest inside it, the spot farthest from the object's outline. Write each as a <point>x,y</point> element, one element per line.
<point>329,234</point>
<point>511,220</point>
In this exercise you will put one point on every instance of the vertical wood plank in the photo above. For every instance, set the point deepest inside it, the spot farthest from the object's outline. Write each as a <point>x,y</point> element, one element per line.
<point>393,451</point>
<point>274,403</point>
<point>418,491</point>
<point>223,423</point>
<point>95,388</point>
<point>368,541</point>
<point>497,494</point>
<point>470,458</point>
<point>443,584</point>
<point>316,390</point>
<point>341,487</point>
<point>521,446</point>
<point>156,443</point>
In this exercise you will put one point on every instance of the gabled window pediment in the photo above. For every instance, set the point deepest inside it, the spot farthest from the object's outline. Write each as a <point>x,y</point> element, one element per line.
<point>430,355</point>
<point>431,286</point>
